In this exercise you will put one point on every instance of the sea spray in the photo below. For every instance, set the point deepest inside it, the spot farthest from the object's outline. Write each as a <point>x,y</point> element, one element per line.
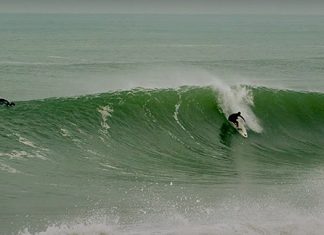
<point>235,99</point>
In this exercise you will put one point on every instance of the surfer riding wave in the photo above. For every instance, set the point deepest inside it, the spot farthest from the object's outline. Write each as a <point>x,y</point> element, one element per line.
<point>233,118</point>
<point>6,102</point>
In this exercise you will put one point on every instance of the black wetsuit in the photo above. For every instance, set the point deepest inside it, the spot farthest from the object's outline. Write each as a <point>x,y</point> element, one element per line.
<point>6,102</point>
<point>233,118</point>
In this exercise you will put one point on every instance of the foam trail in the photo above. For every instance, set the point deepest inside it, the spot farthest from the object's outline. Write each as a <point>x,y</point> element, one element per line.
<point>176,118</point>
<point>105,112</point>
<point>9,169</point>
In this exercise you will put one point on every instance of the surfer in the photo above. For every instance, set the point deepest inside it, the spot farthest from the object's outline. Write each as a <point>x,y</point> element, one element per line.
<point>6,102</point>
<point>233,118</point>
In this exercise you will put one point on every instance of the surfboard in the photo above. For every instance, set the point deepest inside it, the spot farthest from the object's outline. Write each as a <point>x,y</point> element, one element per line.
<point>241,128</point>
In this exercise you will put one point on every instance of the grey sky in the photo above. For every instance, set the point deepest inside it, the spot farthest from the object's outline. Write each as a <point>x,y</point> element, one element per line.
<point>165,6</point>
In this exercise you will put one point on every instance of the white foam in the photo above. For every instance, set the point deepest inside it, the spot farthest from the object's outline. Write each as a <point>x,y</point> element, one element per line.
<point>176,118</point>
<point>238,213</point>
<point>77,229</point>
<point>29,143</point>
<point>16,154</point>
<point>175,115</point>
<point>64,132</point>
<point>7,168</point>
<point>177,224</point>
<point>105,112</point>
<point>106,165</point>
<point>237,99</point>
<point>26,142</point>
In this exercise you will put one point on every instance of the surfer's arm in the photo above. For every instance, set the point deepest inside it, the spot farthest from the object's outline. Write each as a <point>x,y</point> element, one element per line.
<point>242,118</point>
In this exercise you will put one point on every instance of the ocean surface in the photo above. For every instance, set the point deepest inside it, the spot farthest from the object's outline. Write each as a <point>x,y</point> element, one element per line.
<point>120,124</point>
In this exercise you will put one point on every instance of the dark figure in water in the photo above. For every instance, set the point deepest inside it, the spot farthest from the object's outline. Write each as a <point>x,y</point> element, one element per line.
<point>6,102</point>
<point>233,118</point>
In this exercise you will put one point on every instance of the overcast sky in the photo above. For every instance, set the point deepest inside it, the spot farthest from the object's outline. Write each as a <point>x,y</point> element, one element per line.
<point>165,6</point>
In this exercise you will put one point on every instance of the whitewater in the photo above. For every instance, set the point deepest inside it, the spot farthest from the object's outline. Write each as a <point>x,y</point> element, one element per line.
<point>125,131</point>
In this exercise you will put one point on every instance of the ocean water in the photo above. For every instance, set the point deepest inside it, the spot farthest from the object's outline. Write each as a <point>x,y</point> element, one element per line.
<point>120,124</point>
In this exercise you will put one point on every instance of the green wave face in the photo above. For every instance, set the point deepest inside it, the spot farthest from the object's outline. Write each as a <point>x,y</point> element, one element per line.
<point>184,130</point>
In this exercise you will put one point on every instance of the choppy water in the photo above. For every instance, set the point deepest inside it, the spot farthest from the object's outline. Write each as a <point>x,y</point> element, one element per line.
<point>120,124</point>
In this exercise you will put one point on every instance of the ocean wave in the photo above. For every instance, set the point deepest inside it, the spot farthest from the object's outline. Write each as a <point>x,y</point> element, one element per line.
<point>124,129</point>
